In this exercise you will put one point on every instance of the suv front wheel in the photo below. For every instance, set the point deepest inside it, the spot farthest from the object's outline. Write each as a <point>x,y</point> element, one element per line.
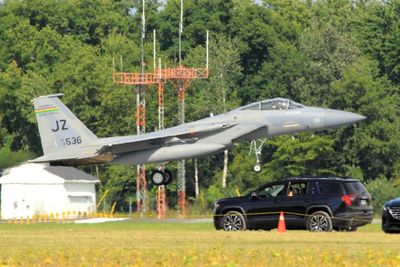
<point>319,221</point>
<point>233,221</point>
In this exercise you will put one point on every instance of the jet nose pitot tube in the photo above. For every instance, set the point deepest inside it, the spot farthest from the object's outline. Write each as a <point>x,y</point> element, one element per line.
<point>336,118</point>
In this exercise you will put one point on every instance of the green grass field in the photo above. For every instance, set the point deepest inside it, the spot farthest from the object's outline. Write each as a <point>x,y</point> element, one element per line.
<point>154,243</point>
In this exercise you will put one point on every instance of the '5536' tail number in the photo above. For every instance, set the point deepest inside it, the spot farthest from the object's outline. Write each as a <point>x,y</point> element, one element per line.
<point>73,140</point>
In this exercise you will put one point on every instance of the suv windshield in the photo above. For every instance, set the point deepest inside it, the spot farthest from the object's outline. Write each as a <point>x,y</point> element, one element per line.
<point>355,188</point>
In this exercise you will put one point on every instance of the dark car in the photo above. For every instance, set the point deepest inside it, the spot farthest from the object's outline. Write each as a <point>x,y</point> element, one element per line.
<point>391,216</point>
<point>316,204</point>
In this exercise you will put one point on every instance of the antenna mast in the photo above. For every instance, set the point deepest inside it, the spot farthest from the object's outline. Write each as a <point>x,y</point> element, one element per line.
<point>181,77</point>
<point>180,34</point>
<point>141,123</point>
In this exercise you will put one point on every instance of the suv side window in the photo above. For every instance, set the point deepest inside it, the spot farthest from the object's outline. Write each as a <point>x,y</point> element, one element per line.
<point>272,190</point>
<point>329,187</point>
<point>355,188</point>
<point>297,189</point>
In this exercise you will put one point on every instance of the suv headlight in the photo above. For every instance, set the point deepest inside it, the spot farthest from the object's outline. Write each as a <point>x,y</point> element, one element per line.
<point>384,208</point>
<point>216,205</point>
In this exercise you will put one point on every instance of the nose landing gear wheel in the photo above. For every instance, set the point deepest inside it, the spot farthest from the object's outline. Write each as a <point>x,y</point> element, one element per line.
<point>257,168</point>
<point>257,151</point>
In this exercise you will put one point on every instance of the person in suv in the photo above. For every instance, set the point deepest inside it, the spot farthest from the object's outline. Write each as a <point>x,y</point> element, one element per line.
<point>316,204</point>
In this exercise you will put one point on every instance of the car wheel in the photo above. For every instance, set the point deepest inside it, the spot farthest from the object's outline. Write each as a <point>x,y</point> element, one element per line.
<point>319,221</point>
<point>233,221</point>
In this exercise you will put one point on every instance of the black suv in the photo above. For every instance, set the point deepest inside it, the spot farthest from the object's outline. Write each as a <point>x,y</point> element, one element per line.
<point>316,204</point>
<point>391,216</point>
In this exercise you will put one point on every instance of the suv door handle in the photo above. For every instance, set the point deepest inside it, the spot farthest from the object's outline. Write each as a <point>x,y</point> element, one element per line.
<point>306,200</point>
<point>277,201</point>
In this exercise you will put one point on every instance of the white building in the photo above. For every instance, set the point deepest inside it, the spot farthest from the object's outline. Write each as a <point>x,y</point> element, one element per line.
<point>38,189</point>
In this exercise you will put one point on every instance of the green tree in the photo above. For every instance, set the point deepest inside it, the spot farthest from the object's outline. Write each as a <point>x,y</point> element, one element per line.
<point>303,154</point>
<point>328,53</point>
<point>378,33</point>
<point>199,16</point>
<point>381,191</point>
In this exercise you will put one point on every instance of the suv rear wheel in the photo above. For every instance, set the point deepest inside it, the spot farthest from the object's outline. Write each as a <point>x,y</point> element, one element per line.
<point>319,221</point>
<point>233,221</point>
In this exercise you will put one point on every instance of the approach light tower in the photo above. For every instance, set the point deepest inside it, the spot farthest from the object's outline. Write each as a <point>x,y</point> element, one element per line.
<point>139,80</point>
<point>181,77</point>
<point>141,125</point>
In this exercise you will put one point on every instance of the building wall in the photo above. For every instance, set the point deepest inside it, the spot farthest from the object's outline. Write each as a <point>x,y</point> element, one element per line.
<point>25,200</point>
<point>81,196</point>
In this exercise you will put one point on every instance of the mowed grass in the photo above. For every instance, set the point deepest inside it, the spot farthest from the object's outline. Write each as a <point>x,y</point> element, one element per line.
<point>153,243</point>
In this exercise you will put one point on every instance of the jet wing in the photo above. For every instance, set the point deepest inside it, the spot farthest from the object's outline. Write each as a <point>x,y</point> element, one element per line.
<point>103,149</point>
<point>178,134</point>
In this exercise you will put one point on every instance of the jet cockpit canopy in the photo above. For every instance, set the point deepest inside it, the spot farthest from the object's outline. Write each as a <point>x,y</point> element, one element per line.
<point>273,104</point>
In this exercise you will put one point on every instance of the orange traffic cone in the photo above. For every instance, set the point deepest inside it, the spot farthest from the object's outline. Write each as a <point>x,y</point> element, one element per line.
<point>281,224</point>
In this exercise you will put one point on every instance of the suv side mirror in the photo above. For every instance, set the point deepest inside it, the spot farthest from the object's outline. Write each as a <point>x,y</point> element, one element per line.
<point>254,196</point>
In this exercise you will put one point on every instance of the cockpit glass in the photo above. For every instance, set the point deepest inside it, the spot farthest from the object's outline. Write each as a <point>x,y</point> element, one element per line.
<point>281,104</point>
<point>255,106</point>
<point>295,105</point>
<point>273,104</point>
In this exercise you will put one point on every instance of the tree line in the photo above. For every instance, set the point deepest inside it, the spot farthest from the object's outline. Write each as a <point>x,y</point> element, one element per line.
<point>335,54</point>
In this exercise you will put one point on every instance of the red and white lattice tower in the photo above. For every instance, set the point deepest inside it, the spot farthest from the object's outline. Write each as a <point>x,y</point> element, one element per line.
<point>181,77</point>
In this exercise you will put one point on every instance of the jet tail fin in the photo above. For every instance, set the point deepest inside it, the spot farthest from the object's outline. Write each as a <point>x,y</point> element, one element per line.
<point>59,128</point>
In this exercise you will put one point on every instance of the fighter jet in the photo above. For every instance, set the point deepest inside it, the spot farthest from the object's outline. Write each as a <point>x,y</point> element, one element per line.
<point>67,141</point>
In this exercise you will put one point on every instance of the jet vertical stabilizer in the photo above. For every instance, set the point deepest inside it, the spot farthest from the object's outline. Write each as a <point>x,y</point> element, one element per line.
<point>59,128</point>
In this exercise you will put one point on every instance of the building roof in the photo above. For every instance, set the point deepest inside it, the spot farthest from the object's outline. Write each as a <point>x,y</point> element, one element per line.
<point>70,173</point>
<point>34,173</point>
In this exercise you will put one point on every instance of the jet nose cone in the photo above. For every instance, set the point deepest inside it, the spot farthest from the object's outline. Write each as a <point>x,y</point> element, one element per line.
<point>335,118</point>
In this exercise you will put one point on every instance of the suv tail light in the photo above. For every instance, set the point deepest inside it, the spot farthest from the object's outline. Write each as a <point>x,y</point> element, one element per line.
<point>347,199</point>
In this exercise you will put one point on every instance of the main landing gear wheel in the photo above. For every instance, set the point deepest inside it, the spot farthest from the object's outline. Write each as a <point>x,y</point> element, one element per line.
<point>168,177</point>
<point>257,168</point>
<point>159,177</point>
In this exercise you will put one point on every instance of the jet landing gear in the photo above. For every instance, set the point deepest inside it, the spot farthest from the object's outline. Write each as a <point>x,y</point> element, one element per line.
<point>257,167</point>
<point>257,151</point>
<point>159,177</point>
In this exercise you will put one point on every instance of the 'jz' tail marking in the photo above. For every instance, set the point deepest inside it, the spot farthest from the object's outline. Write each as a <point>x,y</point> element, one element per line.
<point>58,127</point>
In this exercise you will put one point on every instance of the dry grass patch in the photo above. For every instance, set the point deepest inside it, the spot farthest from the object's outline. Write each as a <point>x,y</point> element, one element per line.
<point>178,244</point>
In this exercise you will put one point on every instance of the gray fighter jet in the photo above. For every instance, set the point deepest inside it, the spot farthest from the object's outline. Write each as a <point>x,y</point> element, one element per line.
<point>67,141</point>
